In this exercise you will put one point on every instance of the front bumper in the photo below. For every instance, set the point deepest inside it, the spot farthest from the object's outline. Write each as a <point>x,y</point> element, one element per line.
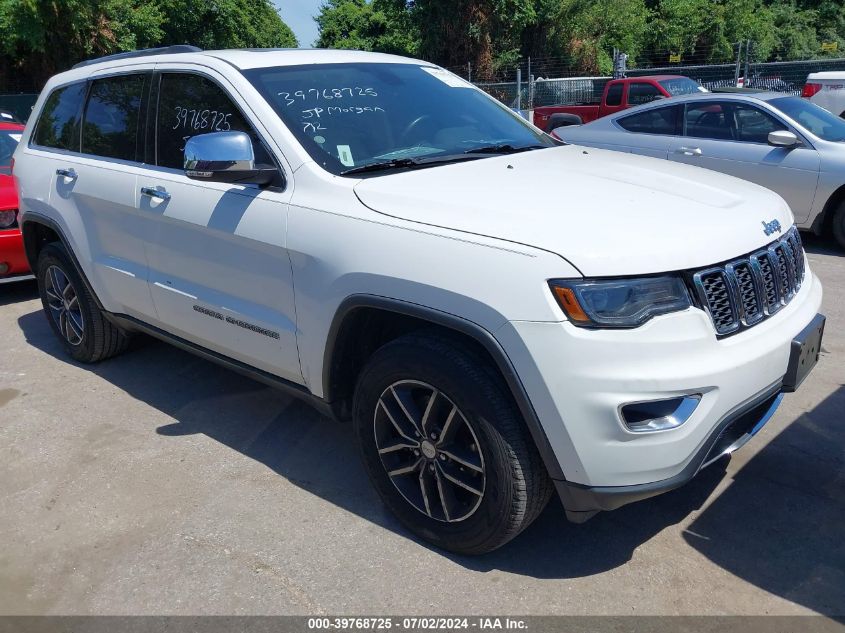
<point>13,264</point>
<point>729,435</point>
<point>579,379</point>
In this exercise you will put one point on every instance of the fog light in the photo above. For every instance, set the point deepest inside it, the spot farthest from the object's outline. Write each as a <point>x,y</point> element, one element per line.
<point>4,268</point>
<point>659,415</point>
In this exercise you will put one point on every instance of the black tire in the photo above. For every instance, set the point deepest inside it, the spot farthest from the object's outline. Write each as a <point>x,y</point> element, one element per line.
<point>516,484</point>
<point>99,338</point>
<point>562,119</point>
<point>837,225</point>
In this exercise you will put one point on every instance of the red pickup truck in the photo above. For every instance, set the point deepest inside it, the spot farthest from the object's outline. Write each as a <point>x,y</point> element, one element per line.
<point>618,94</point>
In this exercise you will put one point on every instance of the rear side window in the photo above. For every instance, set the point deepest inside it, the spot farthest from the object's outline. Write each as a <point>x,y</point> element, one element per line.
<point>639,93</point>
<point>614,95</point>
<point>188,105</point>
<point>110,125</point>
<point>655,121</point>
<point>58,123</point>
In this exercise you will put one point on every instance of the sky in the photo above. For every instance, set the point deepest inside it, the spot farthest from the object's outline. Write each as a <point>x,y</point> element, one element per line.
<point>299,16</point>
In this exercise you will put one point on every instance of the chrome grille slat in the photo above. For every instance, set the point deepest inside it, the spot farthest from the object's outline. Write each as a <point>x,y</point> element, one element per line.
<point>748,290</point>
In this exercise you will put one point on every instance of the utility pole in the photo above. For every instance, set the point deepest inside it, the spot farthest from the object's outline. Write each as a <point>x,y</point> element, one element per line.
<point>469,72</point>
<point>519,89</point>
<point>738,62</point>
<point>747,62</point>
<point>530,86</point>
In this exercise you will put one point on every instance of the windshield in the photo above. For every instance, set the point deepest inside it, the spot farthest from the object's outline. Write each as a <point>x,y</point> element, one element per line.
<point>348,116</point>
<point>681,86</point>
<point>9,140</point>
<point>816,120</point>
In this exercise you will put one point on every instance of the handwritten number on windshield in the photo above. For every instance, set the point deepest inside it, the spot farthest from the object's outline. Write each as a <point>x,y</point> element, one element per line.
<point>326,94</point>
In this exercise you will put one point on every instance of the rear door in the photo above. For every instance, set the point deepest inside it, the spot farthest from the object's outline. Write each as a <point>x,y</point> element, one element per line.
<point>732,137</point>
<point>103,185</point>
<point>220,273</point>
<point>87,141</point>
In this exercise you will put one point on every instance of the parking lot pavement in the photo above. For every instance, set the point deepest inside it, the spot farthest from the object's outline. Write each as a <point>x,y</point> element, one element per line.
<point>159,483</point>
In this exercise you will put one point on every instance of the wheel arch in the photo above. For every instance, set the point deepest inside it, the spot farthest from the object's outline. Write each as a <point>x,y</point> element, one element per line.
<point>38,231</point>
<point>821,224</point>
<point>362,323</point>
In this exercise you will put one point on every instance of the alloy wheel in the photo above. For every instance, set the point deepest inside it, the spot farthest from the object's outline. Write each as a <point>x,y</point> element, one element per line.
<point>429,450</point>
<point>64,305</point>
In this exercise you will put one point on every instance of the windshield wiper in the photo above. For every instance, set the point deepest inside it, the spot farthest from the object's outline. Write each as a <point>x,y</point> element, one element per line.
<point>394,163</point>
<point>407,163</point>
<point>503,148</point>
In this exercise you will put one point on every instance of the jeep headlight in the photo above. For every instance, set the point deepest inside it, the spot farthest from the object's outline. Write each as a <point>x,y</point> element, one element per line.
<point>621,303</point>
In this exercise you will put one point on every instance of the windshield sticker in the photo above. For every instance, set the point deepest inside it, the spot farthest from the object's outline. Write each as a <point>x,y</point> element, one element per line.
<point>450,79</point>
<point>344,154</point>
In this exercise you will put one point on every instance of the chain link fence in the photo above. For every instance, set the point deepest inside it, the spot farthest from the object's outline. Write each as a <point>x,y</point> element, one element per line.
<point>534,83</point>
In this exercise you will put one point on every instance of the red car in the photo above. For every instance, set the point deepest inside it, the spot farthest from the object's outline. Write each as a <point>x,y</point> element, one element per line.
<point>13,264</point>
<point>619,94</point>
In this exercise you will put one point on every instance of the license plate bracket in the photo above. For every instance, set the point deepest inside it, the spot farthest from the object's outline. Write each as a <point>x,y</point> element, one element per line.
<point>804,353</point>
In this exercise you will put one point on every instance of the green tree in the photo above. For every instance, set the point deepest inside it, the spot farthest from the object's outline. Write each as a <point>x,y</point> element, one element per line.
<point>381,25</point>
<point>45,36</point>
<point>225,24</point>
<point>41,37</point>
<point>592,28</point>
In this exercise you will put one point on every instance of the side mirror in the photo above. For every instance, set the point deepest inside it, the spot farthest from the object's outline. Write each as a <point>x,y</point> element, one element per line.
<point>783,138</point>
<point>225,157</point>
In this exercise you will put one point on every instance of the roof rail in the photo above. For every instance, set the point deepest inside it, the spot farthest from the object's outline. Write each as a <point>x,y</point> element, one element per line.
<point>163,50</point>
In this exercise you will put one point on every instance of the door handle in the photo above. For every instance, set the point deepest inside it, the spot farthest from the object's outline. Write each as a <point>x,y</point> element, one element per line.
<point>158,194</point>
<point>70,174</point>
<point>689,151</point>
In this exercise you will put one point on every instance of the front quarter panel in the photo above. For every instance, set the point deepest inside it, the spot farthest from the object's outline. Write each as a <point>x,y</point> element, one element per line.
<point>340,248</point>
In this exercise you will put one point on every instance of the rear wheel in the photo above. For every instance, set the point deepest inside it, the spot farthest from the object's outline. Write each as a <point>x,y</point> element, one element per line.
<point>445,447</point>
<point>72,312</point>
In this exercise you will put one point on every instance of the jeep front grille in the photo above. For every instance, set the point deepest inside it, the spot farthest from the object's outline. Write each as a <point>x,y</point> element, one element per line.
<point>750,289</point>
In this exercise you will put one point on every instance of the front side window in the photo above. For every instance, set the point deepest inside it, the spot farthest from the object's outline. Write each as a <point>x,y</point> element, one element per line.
<point>110,124</point>
<point>614,95</point>
<point>639,93</point>
<point>58,124</point>
<point>654,121</point>
<point>708,120</point>
<point>352,115</point>
<point>753,125</point>
<point>190,104</point>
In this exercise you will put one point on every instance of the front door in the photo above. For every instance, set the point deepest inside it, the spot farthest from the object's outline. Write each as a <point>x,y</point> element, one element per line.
<point>732,137</point>
<point>220,275</point>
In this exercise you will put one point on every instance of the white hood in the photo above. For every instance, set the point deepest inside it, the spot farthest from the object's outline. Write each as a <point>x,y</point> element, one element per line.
<point>607,213</point>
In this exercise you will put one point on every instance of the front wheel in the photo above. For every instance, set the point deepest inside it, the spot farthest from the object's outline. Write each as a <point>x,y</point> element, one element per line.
<point>838,225</point>
<point>445,447</point>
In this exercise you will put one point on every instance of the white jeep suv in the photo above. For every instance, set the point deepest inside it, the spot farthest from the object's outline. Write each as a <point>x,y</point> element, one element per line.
<point>499,315</point>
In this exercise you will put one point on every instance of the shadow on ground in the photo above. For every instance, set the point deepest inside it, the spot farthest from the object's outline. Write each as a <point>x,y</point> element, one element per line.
<point>785,506</point>
<point>821,245</point>
<point>18,291</point>
<point>780,525</point>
